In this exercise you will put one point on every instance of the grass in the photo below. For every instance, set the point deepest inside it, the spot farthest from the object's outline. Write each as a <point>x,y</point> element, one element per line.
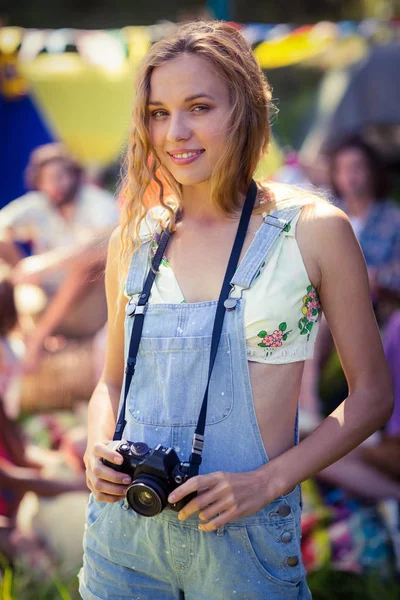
<point>326,584</point>
<point>18,583</point>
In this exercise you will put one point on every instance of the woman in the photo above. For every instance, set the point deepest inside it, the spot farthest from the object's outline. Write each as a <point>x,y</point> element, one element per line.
<point>201,117</point>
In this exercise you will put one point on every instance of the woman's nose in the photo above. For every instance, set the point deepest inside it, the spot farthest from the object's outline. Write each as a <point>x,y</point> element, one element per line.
<point>178,129</point>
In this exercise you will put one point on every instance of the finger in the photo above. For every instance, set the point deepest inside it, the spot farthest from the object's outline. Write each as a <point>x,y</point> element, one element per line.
<point>101,488</point>
<point>106,452</point>
<point>194,485</point>
<point>198,503</point>
<point>106,497</point>
<point>99,471</point>
<point>104,487</point>
<point>215,509</point>
<point>101,496</point>
<point>102,471</point>
<point>222,519</point>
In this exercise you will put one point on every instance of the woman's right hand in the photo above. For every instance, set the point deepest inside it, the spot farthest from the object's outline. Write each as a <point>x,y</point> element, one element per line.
<point>106,484</point>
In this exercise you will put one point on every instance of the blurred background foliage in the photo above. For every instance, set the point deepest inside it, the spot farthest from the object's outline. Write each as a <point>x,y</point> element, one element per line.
<point>108,14</point>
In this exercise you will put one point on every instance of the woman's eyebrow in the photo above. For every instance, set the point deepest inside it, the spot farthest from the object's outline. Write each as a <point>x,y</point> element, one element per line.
<point>201,95</point>
<point>188,99</point>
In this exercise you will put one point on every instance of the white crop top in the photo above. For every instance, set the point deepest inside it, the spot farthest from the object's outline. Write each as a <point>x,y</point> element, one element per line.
<point>282,309</point>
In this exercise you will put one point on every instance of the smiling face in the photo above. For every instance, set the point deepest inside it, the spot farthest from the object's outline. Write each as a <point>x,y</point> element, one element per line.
<point>189,111</point>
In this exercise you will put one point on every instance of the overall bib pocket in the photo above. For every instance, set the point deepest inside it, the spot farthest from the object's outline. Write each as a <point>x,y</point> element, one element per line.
<point>170,379</point>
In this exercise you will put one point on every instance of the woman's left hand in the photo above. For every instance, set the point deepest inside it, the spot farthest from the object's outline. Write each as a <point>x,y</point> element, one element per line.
<point>223,497</point>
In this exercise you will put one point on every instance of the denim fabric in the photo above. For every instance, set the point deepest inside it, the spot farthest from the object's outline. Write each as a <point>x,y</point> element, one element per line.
<point>130,556</point>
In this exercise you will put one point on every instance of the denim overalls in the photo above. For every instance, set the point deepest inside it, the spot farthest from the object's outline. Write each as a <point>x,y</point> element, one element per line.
<point>128,556</point>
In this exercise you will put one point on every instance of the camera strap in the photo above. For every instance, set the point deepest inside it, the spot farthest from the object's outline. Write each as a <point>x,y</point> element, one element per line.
<point>198,436</point>
<point>138,311</point>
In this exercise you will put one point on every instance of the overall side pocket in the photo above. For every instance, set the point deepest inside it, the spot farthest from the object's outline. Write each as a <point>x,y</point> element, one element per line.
<point>275,550</point>
<point>94,512</point>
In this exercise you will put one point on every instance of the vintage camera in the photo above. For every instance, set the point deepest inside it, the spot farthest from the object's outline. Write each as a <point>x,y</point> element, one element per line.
<point>155,474</point>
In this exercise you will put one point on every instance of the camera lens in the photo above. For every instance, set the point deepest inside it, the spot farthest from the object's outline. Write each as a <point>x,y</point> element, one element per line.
<point>147,496</point>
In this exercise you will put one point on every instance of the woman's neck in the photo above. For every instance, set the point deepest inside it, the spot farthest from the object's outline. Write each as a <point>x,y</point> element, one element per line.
<point>197,206</point>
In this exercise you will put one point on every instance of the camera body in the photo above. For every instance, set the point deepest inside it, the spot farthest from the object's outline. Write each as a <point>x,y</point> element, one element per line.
<point>155,473</point>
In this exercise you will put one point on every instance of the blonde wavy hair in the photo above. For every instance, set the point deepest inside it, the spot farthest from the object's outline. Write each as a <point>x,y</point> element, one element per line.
<point>248,132</point>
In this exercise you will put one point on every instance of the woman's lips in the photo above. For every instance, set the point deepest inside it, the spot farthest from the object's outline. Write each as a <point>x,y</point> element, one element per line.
<point>185,157</point>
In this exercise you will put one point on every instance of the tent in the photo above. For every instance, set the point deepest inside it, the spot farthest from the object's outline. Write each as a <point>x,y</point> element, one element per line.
<point>363,100</point>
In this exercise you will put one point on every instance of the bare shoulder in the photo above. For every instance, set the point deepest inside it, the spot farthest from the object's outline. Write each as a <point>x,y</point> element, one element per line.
<point>318,213</point>
<point>320,219</point>
<point>324,233</point>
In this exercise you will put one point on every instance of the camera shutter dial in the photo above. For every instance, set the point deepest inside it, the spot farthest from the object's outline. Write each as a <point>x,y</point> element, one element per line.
<point>139,449</point>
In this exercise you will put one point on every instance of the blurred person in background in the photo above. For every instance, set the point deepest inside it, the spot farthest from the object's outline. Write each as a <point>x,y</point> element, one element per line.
<point>60,218</point>
<point>83,281</point>
<point>361,189</point>
<point>353,487</point>
<point>24,468</point>
<point>9,352</point>
<point>360,186</point>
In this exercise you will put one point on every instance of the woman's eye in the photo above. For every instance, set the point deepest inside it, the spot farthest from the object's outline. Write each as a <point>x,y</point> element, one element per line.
<point>158,113</point>
<point>200,108</point>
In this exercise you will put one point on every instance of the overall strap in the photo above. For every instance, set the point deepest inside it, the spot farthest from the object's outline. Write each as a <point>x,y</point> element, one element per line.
<point>265,238</point>
<point>137,311</point>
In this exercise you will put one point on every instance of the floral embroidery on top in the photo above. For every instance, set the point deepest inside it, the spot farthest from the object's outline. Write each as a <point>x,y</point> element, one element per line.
<point>275,339</point>
<point>311,311</point>
<point>165,262</point>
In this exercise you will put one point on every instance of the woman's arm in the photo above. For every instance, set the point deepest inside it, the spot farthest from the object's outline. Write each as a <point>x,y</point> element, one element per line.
<point>103,404</point>
<point>104,482</point>
<point>345,298</point>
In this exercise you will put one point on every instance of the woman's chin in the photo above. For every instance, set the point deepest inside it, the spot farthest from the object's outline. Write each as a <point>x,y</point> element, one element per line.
<point>191,180</point>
